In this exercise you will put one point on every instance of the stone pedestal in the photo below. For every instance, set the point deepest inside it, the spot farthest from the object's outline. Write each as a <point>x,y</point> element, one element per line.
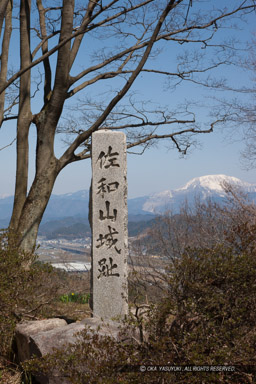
<point>109,225</point>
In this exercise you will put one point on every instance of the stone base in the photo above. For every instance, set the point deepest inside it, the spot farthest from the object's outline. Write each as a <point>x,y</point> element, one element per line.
<point>41,337</point>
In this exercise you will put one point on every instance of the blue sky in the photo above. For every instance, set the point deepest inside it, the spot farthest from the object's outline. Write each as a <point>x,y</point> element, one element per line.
<point>158,168</point>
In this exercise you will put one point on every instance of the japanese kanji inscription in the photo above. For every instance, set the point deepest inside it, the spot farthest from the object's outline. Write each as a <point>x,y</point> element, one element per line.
<point>109,225</point>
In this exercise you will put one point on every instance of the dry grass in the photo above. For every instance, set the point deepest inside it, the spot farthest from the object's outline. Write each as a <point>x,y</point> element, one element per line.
<point>69,282</point>
<point>9,374</point>
<point>69,311</point>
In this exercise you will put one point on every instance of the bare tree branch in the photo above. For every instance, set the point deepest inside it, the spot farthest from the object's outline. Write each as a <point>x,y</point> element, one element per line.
<point>166,36</point>
<point>3,7</point>
<point>47,67</point>
<point>7,7</point>
<point>8,145</point>
<point>70,152</point>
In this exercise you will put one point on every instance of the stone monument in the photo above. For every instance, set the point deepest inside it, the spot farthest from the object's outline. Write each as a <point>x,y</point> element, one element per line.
<point>109,290</point>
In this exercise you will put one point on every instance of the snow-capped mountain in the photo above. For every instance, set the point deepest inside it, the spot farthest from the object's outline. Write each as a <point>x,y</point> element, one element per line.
<point>204,187</point>
<point>214,183</point>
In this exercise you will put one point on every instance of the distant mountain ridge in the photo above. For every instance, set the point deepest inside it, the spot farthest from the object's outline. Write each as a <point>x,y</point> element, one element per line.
<point>140,208</point>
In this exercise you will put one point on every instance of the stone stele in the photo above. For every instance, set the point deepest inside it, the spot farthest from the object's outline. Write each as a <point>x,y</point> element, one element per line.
<point>109,225</point>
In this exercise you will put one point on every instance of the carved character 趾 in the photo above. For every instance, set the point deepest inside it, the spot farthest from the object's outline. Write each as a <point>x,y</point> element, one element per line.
<point>106,269</point>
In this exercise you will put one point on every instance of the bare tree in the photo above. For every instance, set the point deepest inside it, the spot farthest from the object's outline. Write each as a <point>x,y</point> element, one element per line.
<point>247,112</point>
<point>131,33</point>
<point>238,110</point>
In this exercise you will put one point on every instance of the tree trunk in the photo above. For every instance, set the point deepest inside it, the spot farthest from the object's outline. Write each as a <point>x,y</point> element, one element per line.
<point>47,169</point>
<point>35,205</point>
<point>24,119</point>
<point>29,209</point>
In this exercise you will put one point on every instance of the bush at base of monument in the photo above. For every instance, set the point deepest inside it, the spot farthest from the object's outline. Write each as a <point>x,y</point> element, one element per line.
<point>22,292</point>
<point>208,318</point>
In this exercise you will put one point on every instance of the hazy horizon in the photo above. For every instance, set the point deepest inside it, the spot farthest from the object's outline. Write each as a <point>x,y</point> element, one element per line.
<point>3,195</point>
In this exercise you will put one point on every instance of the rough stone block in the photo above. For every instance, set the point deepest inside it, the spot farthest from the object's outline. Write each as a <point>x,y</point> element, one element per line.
<point>41,337</point>
<point>27,329</point>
